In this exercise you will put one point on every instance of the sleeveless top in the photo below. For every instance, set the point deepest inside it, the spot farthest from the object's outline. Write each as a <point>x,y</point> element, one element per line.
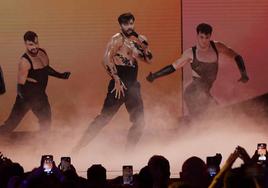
<point>206,71</point>
<point>40,75</point>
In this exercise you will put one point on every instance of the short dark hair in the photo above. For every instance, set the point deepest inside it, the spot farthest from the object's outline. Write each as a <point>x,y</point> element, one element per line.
<point>204,28</point>
<point>30,36</point>
<point>159,163</point>
<point>126,17</point>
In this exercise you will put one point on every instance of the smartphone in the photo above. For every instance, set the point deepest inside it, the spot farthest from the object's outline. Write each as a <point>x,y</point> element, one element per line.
<point>128,175</point>
<point>65,163</point>
<point>261,150</point>
<point>213,163</point>
<point>47,163</point>
<point>212,170</point>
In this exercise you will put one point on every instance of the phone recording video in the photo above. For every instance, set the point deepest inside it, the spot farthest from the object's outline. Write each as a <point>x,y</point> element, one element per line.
<point>213,164</point>
<point>65,163</point>
<point>47,163</point>
<point>128,175</point>
<point>261,150</point>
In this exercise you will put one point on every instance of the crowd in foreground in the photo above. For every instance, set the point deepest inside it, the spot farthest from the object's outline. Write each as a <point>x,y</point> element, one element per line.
<point>195,173</point>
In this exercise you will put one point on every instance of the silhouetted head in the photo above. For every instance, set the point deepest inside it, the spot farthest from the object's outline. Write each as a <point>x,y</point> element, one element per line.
<point>159,169</point>
<point>96,174</point>
<point>145,178</point>
<point>194,172</point>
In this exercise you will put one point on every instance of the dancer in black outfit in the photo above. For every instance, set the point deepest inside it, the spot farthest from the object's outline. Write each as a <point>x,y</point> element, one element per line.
<point>204,63</point>
<point>120,62</point>
<point>34,70</point>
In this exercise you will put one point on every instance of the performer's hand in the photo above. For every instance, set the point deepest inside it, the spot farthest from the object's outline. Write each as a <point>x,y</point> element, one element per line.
<point>134,33</point>
<point>150,77</point>
<point>141,38</point>
<point>66,75</point>
<point>244,78</point>
<point>119,87</point>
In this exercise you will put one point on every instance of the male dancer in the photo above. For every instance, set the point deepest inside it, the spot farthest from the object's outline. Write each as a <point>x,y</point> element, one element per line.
<point>33,73</point>
<point>204,63</point>
<point>120,62</point>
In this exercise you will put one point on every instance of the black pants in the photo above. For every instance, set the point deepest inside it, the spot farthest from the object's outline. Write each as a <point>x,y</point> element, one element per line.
<point>198,98</point>
<point>134,106</point>
<point>37,103</point>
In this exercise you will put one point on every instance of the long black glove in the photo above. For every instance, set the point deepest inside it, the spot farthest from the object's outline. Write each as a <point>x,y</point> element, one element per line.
<point>2,83</point>
<point>241,65</point>
<point>56,74</point>
<point>163,72</point>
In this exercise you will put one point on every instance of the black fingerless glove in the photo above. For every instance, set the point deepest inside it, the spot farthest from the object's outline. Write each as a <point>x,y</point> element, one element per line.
<point>240,63</point>
<point>163,72</point>
<point>56,74</point>
<point>242,69</point>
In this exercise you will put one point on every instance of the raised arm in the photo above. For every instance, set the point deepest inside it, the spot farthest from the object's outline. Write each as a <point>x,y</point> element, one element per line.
<point>227,166</point>
<point>184,59</point>
<point>142,50</point>
<point>109,64</point>
<point>222,48</point>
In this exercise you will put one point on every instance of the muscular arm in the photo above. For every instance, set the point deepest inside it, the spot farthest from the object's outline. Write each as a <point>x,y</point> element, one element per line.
<point>24,68</point>
<point>109,64</point>
<point>111,51</point>
<point>222,48</point>
<point>185,58</point>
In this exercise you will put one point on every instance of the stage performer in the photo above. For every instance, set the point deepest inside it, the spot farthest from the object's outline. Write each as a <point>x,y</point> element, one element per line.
<point>203,58</point>
<point>33,73</point>
<point>120,62</point>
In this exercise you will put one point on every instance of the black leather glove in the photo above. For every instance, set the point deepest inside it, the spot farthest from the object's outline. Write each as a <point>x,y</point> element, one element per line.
<point>163,72</point>
<point>56,74</point>
<point>150,77</point>
<point>241,65</point>
<point>244,78</point>
<point>66,75</point>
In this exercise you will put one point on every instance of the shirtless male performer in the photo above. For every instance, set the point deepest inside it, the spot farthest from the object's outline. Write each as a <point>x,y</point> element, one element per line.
<point>120,62</point>
<point>33,73</point>
<point>204,63</point>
